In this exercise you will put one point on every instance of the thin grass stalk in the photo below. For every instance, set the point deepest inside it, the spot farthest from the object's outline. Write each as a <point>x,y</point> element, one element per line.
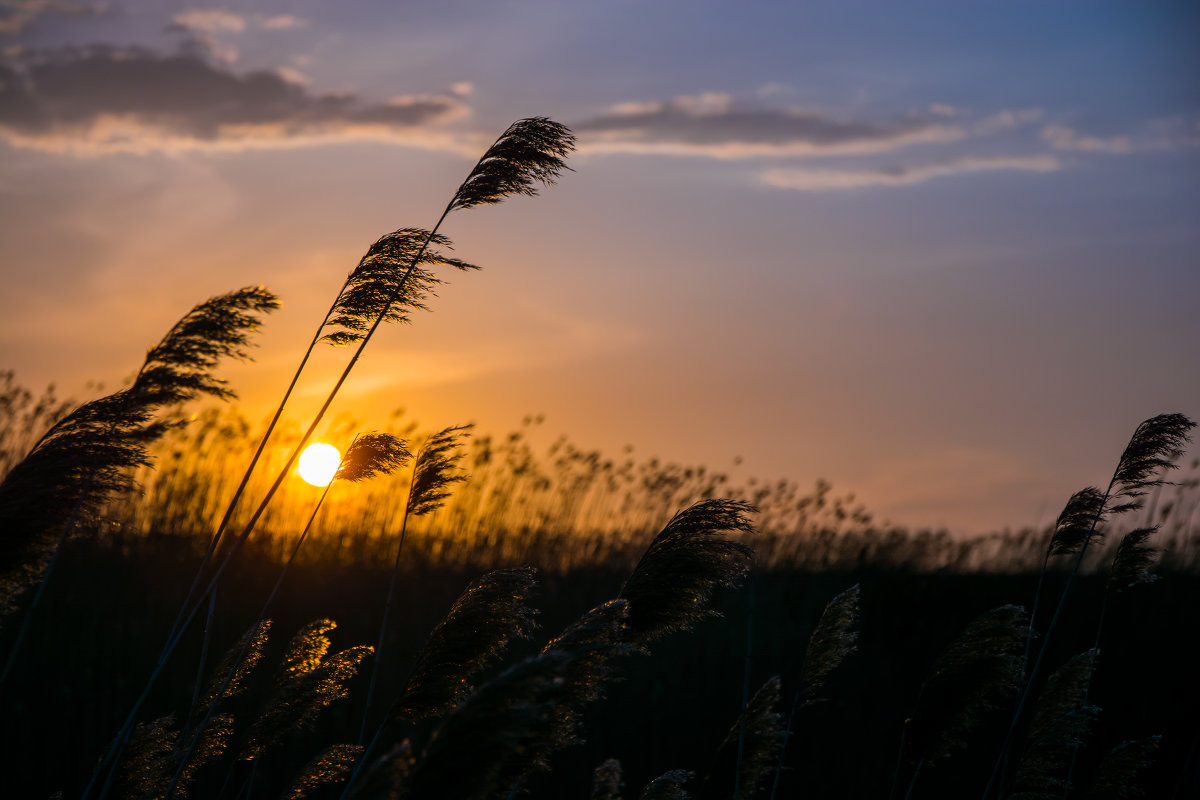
<point>1001,759</point>
<point>245,647</point>
<point>912,783</point>
<point>362,731</point>
<point>899,760</point>
<point>241,487</point>
<point>737,773</point>
<point>1133,474</point>
<point>1136,537</point>
<point>488,187</point>
<point>212,603</point>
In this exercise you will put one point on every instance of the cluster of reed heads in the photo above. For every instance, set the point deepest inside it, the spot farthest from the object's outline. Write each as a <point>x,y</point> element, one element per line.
<point>461,727</point>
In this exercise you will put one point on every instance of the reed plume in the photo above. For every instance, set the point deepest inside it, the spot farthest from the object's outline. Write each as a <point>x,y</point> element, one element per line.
<point>156,752</point>
<point>1062,719</point>
<point>606,781</point>
<point>670,587</point>
<point>1152,450</point>
<point>434,472</point>
<point>307,683</point>
<point>1120,773</point>
<point>148,763</point>
<point>833,639</point>
<point>332,765</point>
<point>309,691</point>
<point>594,641</point>
<point>508,726</point>
<point>492,611</point>
<point>229,678</point>
<point>668,786</point>
<point>86,457</point>
<point>372,454</point>
<point>529,152</point>
<point>751,749</point>
<point>383,285</point>
<point>976,675</point>
<point>1132,562</point>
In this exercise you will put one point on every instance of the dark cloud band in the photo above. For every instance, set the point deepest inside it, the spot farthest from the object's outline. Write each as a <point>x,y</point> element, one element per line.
<point>181,97</point>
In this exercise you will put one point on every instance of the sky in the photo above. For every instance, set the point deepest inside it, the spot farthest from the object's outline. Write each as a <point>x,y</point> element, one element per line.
<point>943,255</point>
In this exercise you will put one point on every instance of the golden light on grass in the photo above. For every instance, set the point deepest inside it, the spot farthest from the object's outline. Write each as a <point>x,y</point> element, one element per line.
<point>318,463</point>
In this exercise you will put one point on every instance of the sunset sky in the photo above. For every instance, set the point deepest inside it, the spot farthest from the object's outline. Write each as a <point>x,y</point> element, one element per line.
<point>944,255</point>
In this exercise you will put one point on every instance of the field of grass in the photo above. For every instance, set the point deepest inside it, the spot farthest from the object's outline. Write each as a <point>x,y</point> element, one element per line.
<point>466,616</point>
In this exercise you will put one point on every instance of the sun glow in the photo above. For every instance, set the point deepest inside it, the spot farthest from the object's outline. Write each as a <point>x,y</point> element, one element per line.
<point>319,463</point>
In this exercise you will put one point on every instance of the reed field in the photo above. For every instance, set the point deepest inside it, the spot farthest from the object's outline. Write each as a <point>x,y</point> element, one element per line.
<point>470,614</point>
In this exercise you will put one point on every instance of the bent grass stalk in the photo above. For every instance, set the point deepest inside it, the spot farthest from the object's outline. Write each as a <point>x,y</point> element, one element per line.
<point>1153,448</point>
<point>529,150</point>
<point>368,455</point>
<point>433,473</point>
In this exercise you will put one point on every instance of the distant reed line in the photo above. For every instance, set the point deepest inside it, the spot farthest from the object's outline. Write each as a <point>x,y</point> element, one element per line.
<point>568,506</point>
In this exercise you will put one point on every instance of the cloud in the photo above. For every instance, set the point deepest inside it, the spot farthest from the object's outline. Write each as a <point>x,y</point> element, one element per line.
<point>103,99</point>
<point>1006,120</point>
<point>1063,138</point>
<point>713,125</point>
<point>208,20</point>
<point>822,180</point>
<point>19,13</point>
<point>283,22</point>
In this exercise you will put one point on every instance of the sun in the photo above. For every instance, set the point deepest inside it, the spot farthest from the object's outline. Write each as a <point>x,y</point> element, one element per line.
<point>318,463</point>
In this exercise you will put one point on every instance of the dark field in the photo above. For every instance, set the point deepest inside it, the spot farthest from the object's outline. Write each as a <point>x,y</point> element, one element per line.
<point>94,641</point>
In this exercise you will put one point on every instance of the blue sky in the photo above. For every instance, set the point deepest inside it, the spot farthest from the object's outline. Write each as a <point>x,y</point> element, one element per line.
<point>942,254</point>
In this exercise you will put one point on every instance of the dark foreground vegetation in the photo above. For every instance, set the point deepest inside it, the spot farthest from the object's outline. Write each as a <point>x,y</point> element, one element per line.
<point>551,627</point>
<point>90,649</point>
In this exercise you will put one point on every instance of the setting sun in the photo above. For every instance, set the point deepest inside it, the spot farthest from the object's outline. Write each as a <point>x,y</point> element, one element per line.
<point>319,463</point>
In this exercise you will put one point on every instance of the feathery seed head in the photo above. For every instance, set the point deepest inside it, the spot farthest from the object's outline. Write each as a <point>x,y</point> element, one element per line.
<point>1120,772</point>
<point>606,781</point>
<point>492,611</point>
<point>392,279</point>
<point>434,470</point>
<point>1078,521</point>
<point>690,558</point>
<point>531,151</point>
<point>297,702</point>
<point>1132,562</point>
<point>305,651</point>
<point>508,726</point>
<point>668,786</point>
<point>760,738</point>
<point>372,454</point>
<point>1153,449</point>
<point>250,650</point>
<point>835,637</point>
<point>333,764</point>
<point>976,674</point>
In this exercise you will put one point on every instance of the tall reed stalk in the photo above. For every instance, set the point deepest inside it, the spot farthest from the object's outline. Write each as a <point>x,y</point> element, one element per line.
<point>434,471</point>
<point>530,151</point>
<point>1152,450</point>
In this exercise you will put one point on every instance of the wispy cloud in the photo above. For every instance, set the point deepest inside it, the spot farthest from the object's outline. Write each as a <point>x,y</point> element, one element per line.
<point>208,20</point>
<point>103,98</point>
<point>823,180</point>
<point>16,14</point>
<point>715,126</point>
<point>283,22</point>
<point>1063,138</point>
